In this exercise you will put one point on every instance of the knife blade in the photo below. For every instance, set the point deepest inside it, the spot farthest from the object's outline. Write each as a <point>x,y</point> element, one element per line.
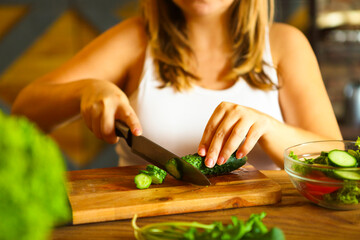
<point>159,156</point>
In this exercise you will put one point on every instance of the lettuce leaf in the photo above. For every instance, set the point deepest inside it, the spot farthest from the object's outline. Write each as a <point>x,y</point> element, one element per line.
<point>348,194</point>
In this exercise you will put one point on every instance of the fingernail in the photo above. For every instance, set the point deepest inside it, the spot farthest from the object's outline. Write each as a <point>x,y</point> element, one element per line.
<point>137,132</point>
<point>239,155</point>
<point>210,162</point>
<point>221,160</point>
<point>201,151</point>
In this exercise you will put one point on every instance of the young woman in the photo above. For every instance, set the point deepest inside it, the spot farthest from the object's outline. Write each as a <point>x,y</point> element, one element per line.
<point>206,76</point>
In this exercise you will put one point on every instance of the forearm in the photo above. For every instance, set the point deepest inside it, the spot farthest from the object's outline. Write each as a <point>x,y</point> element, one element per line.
<point>282,136</point>
<point>50,104</point>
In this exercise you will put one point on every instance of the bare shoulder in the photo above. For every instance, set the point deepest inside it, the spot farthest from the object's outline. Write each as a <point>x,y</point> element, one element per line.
<point>284,34</point>
<point>285,39</point>
<point>301,82</point>
<point>129,36</point>
<point>284,30</point>
<point>132,28</point>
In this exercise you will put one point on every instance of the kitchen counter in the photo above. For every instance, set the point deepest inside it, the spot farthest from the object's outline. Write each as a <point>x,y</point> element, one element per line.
<point>295,215</point>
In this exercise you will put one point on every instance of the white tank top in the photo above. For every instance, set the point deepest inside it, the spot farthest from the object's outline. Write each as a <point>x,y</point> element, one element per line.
<point>176,120</point>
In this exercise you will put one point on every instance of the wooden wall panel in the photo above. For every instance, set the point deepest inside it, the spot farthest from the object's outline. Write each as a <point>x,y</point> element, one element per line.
<point>63,39</point>
<point>10,15</point>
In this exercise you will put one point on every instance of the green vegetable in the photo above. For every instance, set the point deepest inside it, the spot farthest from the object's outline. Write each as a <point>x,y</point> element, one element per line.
<point>157,174</point>
<point>33,195</point>
<point>337,158</point>
<point>293,155</point>
<point>231,164</point>
<point>152,175</point>
<point>322,159</point>
<point>197,161</point>
<point>349,194</point>
<point>340,158</point>
<point>142,181</point>
<point>251,229</point>
<point>348,175</point>
<point>173,168</point>
<point>356,153</point>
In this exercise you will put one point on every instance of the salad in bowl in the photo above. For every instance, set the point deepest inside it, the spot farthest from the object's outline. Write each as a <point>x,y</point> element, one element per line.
<point>326,172</point>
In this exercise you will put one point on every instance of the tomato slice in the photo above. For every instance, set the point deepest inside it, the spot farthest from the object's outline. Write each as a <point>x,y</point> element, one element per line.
<point>319,189</point>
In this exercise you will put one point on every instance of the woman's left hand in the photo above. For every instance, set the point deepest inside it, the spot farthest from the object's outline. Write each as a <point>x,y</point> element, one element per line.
<point>232,127</point>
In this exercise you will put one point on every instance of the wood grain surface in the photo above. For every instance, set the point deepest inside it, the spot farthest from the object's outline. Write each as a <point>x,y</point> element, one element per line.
<point>295,215</point>
<point>109,194</point>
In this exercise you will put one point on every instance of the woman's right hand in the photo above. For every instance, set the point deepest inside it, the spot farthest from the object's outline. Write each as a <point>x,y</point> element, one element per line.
<point>101,103</point>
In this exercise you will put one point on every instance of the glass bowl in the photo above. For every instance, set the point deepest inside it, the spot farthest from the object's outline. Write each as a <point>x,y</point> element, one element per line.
<point>322,184</point>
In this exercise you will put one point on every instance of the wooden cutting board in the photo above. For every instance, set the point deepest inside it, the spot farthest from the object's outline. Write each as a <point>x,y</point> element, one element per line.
<point>108,194</point>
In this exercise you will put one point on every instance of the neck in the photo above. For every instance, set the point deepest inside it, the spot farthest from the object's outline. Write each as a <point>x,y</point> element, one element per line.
<point>210,32</point>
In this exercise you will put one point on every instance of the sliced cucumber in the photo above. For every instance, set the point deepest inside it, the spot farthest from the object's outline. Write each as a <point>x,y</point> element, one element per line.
<point>173,168</point>
<point>340,158</point>
<point>347,175</point>
<point>142,181</point>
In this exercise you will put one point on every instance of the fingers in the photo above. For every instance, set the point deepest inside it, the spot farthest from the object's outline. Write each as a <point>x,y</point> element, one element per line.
<point>128,116</point>
<point>226,140</point>
<point>208,135</point>
<point>237,136</point>
<point>231,127</point>
<point>96,115</point>
<point>219,129</point>
<point>254,134</point>
<point>210,130</point>
<point>108,125</point>
<point>100,117</point>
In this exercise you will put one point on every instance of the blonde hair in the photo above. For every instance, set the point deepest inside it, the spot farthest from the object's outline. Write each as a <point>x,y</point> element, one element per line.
<point>166,29</point>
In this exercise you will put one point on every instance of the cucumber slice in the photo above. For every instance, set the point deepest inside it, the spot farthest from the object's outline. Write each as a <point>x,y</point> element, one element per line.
<point>173,168</point>
<point>347,175</point>
<point>157,174</point>
<point>142,181</point>
<point>340,158</point>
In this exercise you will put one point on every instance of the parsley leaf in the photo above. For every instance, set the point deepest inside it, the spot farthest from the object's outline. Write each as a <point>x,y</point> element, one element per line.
<point>238,229</point>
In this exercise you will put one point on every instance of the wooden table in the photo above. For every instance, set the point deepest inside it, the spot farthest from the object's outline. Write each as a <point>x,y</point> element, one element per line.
<point>295,215</point>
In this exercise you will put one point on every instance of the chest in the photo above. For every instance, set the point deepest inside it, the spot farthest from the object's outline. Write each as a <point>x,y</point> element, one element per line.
<point>212,68</point>
<point>177,120</point>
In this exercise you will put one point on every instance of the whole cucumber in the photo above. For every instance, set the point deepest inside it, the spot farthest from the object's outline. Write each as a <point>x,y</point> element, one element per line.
<point>231,164</point>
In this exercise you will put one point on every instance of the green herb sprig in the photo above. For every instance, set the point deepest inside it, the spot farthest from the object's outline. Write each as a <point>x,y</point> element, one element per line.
<point>253,228</point>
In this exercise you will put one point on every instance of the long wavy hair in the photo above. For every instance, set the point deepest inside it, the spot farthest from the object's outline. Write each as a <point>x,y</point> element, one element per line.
<point>166,30</point>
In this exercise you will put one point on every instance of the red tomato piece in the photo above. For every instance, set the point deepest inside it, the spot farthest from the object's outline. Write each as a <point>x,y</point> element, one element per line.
<point>319,189</point>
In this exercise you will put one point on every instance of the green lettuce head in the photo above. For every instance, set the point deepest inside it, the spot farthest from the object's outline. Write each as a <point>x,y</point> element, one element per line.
<point>33,195</point>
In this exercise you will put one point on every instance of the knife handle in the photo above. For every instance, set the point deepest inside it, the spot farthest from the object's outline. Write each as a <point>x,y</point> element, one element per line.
<point>123,131</point>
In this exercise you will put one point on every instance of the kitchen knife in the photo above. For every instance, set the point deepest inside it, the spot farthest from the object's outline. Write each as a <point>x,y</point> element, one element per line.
<point>159,156</point>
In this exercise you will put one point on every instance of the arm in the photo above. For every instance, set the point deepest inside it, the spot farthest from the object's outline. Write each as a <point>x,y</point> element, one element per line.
<point>303,99</point>
<point>89,84</point>
<point>305,105</point>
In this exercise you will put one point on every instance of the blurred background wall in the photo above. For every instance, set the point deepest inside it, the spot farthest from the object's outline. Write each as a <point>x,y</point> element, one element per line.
<point>36,36</point>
